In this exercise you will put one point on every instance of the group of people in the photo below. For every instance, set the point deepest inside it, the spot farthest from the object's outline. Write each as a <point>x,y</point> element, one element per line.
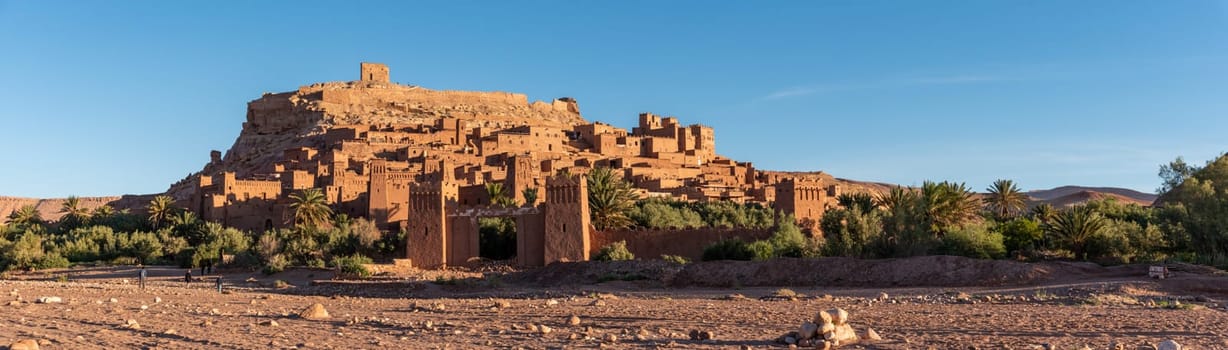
<point>143,274</point>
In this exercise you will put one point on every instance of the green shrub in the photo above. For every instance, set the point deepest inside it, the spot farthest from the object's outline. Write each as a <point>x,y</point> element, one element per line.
<point>1021,234</point>
<point>353,265</point>
<point>761,250</point>
<point>677,259</point>
<point>274,264</point>
<point>974,241</point>
<point>52,261</point>
<point>729,249</point>
<point>616,251</point>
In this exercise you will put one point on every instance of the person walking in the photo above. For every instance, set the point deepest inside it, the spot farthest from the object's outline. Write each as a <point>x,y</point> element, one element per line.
<point>219,284</point>
<point>141,276</point>
<point>187,277</point>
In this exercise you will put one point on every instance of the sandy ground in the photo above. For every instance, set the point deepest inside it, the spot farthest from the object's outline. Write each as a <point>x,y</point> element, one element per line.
<point>422,313</point>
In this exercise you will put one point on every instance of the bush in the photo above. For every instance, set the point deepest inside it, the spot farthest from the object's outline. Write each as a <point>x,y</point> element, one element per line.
<point>729,249</point>
<point>761,250</point>
<point>1021,234</point>
<point>616,251</point>
<point>677,259</point>
<point>973,241</point>
<point>353,265</point>
<point>788,240</point>
<point>274,264</point>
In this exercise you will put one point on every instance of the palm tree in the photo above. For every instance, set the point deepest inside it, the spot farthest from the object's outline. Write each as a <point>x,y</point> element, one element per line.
<point>161,210</point>
<point>1004,199</point>
<point>1043,212</point>
<point>25,216</point>
<point>530,196</point>
<point>948,205</point>
<point>74,214</point>
<point>897,197</point>
<point>310,207</point>
<point>609,199</point>
<point>1073,227</point>
<point>498,194</point>
<point>102,213</point>
<point>864,201</point>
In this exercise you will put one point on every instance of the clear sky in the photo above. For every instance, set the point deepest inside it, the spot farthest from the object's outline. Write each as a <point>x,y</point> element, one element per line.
<point>116,97</point>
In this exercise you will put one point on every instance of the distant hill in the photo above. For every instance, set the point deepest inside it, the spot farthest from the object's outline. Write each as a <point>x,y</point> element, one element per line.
<point>1073,195</point>
<point>49,208</point>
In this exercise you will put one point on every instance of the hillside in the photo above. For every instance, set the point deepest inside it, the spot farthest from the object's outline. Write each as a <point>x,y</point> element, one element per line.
<point>49,208</point>
<point>1065,196</point>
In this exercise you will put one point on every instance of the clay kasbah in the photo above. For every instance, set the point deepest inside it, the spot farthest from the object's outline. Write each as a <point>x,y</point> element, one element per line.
<point>423,163</point>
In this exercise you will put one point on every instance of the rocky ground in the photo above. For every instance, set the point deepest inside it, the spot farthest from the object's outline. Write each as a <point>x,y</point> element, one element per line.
<point>104,308</point>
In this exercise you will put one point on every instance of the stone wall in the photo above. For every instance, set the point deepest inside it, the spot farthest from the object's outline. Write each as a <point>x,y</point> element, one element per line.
<point>690,243</point>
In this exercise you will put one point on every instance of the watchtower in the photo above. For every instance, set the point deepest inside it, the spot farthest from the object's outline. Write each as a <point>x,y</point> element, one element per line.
<point>374,72</point>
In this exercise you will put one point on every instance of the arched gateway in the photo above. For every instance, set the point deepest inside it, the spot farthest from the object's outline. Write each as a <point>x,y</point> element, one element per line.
<point>441,232</point>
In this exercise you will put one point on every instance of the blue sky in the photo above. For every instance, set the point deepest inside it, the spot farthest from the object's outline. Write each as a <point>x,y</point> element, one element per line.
<point>105,98</point>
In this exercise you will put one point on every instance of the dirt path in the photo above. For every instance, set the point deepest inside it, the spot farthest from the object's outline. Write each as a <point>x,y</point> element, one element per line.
<point>424,315</point>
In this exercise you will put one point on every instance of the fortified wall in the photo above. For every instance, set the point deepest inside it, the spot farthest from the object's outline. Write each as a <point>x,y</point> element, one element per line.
<point>406,156</point>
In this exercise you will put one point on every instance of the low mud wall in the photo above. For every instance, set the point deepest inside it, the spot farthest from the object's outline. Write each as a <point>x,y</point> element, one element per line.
<point>689,243</point>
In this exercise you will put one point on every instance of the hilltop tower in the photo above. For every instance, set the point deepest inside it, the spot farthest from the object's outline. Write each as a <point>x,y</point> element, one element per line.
<point>374,72</point>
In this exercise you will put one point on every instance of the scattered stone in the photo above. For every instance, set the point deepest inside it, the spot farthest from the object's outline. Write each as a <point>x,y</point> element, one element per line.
<point>14,303</point>
<point>1146,347</point>
<point>573,321</point>
<point>270,323</point>
<point>834,327</point>
<point>610,338</point>
<point>1117,346</point>
<point>882,296</point>
<point>206,323</point>
<point>171,331</point>
<point>552,302</point>
<point>144,307</point>
<point>157,300</point>
<point>872,335</point>
<point>49,300</point>
<point>315,312</point>
<point>1168,345</point>
<point>807,331</point>
<point>132,324</point>
<point>702,335</point>
<point>112,300</point>
<point>502,304</point>
<point>544,329</point>
<point>24,344</point>
<point>597,302</point>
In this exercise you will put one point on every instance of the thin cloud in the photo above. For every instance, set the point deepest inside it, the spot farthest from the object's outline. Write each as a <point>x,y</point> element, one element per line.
<point>799,91</point>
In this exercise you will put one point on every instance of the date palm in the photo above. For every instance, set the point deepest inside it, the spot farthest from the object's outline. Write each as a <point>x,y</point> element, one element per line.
<point>1004,199</point>
<point>25,216</point>
<point>609,199</point>
<point>863,201</point>
<point>74,213</point>
<point>530,196</point>
<point>498,194</point>
<point>948,204</point>
<point>310,207</point>
<point>161,209</point>
<point>1074,227</point>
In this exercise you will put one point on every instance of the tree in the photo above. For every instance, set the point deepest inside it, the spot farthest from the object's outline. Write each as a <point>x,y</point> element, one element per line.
<point>1173,174</point>
<point>530,196</point>
<point>1004,199</point>
<point>498,194</point>
<point>310,207</point>
<point>609,199</point>
<point>25,216</point>
<point>1043,212</point>
<point>74,213</point>
<point>161,209</point>
<point>1074,227</point>
<point>864,201</point>
<point>948,205</point>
